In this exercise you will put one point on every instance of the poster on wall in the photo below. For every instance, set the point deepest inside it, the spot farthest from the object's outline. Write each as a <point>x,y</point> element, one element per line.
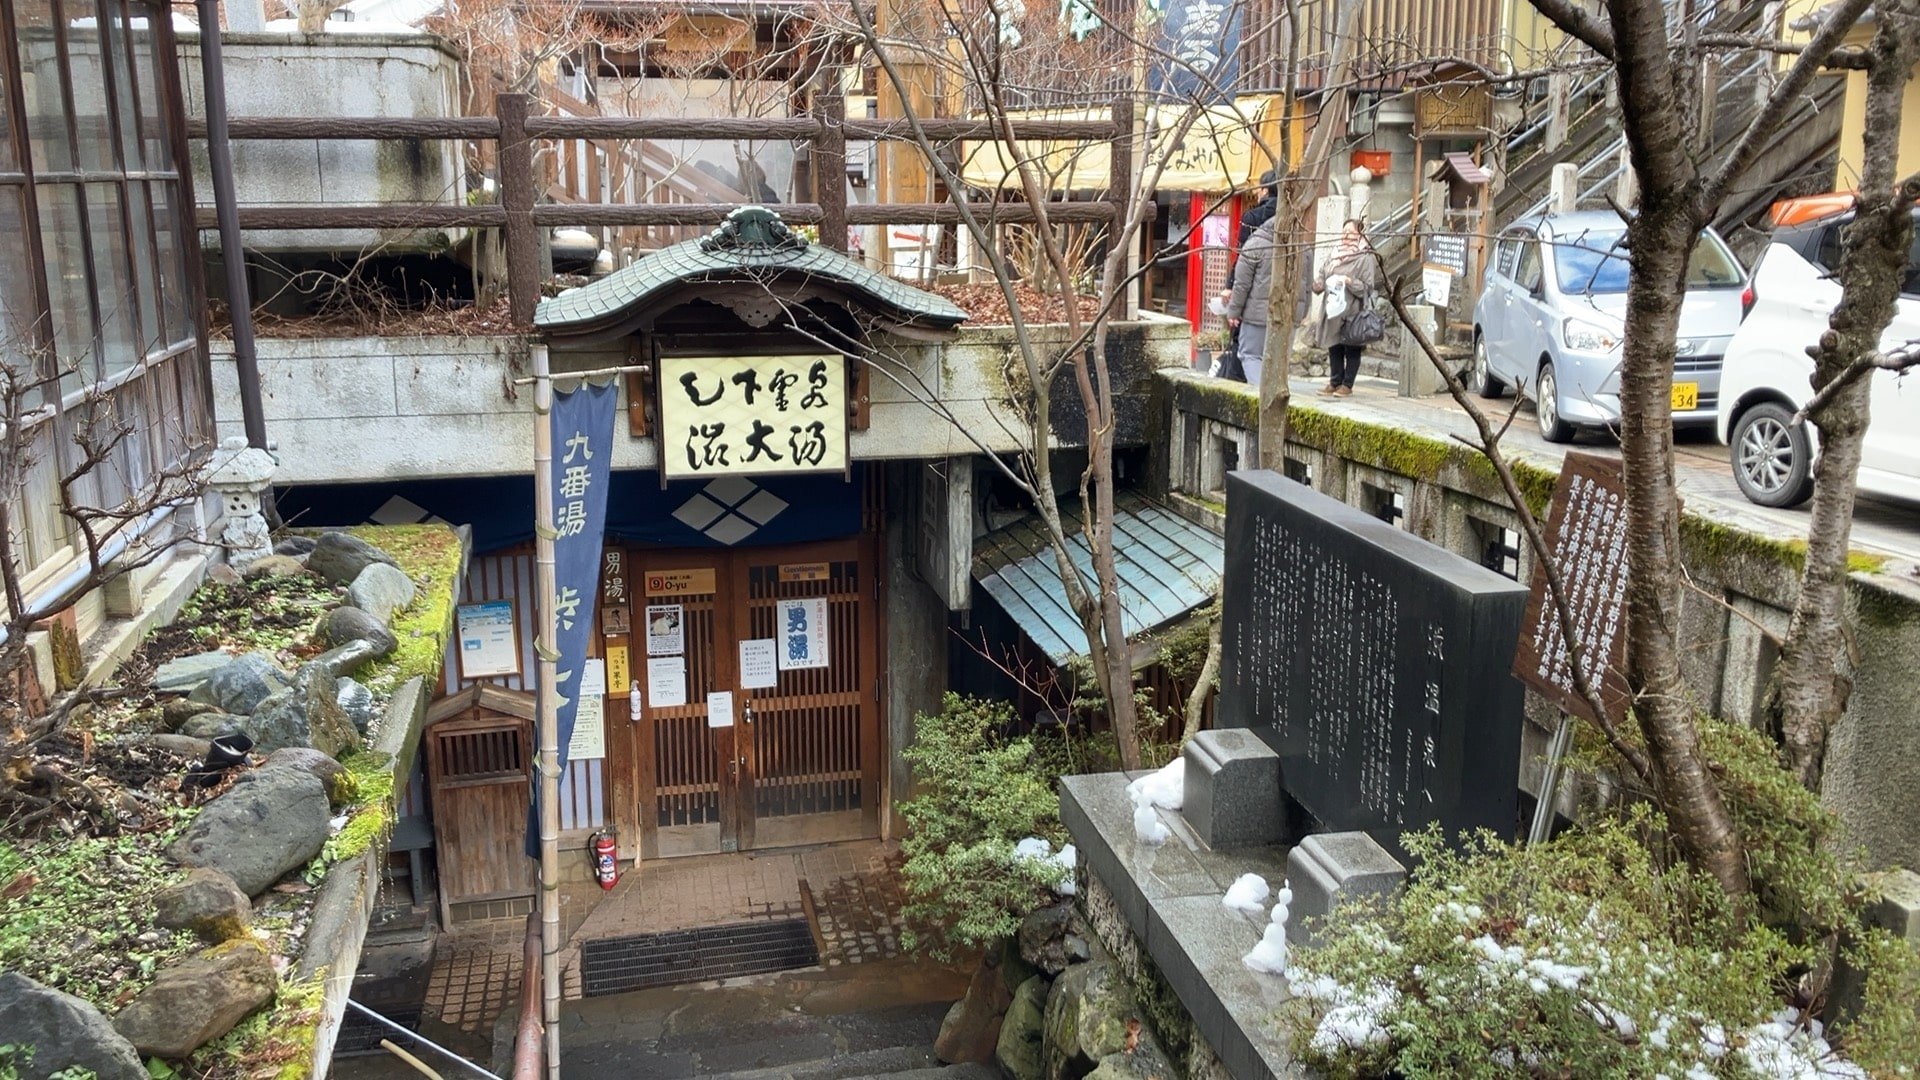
<point>759,665</point>
<point>590,723</point>
<point>720,709</point>
<point>666,681</point>
<point>666,630</point>
<point>802,627</point>
<point>617,673</point>
<point>487,645</point>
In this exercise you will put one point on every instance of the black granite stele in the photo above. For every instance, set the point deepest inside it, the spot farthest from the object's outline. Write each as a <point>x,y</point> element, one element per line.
<point>1376,664</point>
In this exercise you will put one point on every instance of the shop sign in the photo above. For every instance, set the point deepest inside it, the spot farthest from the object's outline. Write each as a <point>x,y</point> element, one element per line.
<point>752,415</point>
<point>697,582</point>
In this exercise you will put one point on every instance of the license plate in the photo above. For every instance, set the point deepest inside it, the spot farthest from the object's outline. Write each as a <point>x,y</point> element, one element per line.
<point>1686,396</point>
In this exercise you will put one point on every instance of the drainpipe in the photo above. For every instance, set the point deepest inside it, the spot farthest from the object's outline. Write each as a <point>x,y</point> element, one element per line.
<point>246,361</point>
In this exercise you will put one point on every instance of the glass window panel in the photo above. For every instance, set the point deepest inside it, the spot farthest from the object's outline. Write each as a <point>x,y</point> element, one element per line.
<point>19,307</point>
<point>177,319</point>
<point>143,40</point>
<point>45,528</point>
<point>9,158</point>
<point>146,271</point>
<point>126,116</point>
<point>63,240</point>
<point>120,343</point>
<point>86,63</point>
<point>41,92</point>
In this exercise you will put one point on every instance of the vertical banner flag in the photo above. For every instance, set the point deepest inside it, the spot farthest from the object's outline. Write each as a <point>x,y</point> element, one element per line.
<point>1200,43</point>
<point>582,465</point>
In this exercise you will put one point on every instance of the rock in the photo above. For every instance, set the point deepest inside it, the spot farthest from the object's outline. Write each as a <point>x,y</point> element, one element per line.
<point>1018,1049</point>
<point>380,590</point>
<point>1146,1062</point>
<point>344,660</point>
<point>212,725</point>
<point>222,574</point>
<point>270,822</point>
<point>340,558</point>
<point>274,566</point>
<point>357,702</point>
<point>1088,1011</point>
<point>1043,937</point>
<point>65,1033</point>
<point>329,772</point>
<point>206,902</point>
<point>183,673</point>
<point>198,999</point>
<point>971,1029</point>
<point>1014,968</point>
<point>186,746</point>
<point>295,546</point>
<point>344,625</point>
<point>178,711</point>
<point>241,684</point>
<point>329,728</point>
<point>280,721</point>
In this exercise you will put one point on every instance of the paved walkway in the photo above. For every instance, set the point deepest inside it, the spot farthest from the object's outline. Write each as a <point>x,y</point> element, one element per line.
<point>850,893</point>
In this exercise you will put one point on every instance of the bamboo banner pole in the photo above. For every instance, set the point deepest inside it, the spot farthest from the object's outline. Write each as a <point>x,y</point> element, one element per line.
<point>549,711</point>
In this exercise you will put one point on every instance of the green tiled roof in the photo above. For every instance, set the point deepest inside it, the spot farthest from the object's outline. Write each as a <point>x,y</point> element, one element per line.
<point>753,242</point>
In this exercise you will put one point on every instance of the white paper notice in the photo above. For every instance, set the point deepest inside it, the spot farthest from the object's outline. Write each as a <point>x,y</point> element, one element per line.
<point>666,630</point>
<point>593,676</point>
<point>666,681</point>
<point>758,668</point>
<point>1437,283</point>
<point>589,729</point>
<point>720,708</point>
<point>802,630</point>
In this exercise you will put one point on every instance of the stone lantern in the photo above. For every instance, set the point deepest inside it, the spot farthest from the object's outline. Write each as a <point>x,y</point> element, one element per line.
<point>239,473</point>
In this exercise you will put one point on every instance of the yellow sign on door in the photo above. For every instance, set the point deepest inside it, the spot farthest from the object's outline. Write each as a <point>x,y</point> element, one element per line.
<point>698,582</point>
<point>804,571</point>
<point>618,674</point>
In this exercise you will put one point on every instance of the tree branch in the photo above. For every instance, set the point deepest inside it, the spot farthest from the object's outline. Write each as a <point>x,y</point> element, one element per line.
<point>1579,24</point>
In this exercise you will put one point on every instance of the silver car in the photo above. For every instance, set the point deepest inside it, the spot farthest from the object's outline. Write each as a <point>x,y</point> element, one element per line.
<point>1549,321</point>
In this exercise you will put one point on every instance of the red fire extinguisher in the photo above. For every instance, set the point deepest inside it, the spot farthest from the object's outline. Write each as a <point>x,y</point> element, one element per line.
<point>606,859</point>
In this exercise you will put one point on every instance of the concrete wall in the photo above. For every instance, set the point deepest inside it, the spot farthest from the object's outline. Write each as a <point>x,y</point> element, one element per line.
<point>290,74</point>
<point>355,410</point>
<point>1745,582</point>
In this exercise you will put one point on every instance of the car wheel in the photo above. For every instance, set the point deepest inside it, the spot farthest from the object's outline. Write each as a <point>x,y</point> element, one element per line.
<point>1479,376</point>
<point>1546,407</point>
<point>1772,462</point>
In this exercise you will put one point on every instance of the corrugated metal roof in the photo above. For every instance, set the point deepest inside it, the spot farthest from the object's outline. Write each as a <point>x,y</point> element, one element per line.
<point>1167,566</point>
<point>752,243</point>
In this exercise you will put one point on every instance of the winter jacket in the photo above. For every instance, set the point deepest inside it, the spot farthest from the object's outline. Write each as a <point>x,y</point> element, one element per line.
<point>1253,278</point>
<point>1362,271</point>
<point>1257,215</point>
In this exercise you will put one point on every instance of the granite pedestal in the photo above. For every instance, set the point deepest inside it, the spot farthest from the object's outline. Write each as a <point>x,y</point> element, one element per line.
<point>1233,796</point>
<point>1330,869</point>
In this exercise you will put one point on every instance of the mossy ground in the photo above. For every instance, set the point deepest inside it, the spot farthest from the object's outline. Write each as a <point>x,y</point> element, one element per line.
<point>432,556</point>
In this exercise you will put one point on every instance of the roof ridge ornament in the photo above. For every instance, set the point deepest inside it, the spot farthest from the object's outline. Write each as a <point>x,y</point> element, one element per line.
<point>753,229</point>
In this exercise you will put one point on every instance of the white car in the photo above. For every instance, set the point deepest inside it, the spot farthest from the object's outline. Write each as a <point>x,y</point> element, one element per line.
<point>1767,375</point>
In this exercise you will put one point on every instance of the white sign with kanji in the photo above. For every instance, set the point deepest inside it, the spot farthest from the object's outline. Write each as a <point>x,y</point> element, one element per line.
<point>801,634</point>
<point>752,415</point>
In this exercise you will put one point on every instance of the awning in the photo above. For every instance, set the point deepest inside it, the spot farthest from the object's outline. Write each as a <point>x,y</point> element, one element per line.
<point>1167,567</point>
<point>1216,154</point>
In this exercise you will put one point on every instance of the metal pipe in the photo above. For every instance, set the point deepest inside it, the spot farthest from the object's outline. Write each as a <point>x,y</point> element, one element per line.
<point>246,360</point>
<point>418,1065</point>
<point>549,711</point>
<point>528,1046</point>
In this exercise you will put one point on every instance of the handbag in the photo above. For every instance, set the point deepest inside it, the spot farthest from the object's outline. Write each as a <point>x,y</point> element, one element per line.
<point>1363,327</point>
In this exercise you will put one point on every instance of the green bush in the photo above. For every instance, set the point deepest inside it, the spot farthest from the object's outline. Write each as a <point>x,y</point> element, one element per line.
<point>977,793</point>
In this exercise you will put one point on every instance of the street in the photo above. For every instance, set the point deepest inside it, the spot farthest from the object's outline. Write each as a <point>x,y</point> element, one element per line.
<point>1881,527</point>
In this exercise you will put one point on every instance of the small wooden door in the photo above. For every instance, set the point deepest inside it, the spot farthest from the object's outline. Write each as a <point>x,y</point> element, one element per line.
<point>800,763</point>
<point>479,766</point>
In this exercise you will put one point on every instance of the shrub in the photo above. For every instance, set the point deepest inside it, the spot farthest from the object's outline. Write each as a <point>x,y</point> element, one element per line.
<point>977,793</point>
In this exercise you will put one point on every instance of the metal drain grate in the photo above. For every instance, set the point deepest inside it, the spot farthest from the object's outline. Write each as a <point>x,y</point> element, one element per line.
<point>361,1035</point>
<point>614,965</point>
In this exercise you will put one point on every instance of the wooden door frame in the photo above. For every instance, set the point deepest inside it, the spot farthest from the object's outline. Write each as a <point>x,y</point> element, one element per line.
<point>640,741</point>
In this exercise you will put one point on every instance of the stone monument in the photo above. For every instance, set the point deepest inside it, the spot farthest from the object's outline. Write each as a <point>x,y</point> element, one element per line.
<point>240,474</point>
<point>1375,665</point>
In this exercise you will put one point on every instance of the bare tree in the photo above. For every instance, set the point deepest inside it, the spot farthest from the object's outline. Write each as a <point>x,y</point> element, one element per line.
<point>111,514</point>
<point>1811,684</point>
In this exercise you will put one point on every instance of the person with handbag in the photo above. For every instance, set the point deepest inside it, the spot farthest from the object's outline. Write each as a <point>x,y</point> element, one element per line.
<point>1348,322</point>
<point>1246,307</point>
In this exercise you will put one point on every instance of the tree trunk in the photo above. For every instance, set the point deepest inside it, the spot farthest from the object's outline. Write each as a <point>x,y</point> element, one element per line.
<point>1661,238</point>
<point>1811,684</point>
<point>1203,682</point>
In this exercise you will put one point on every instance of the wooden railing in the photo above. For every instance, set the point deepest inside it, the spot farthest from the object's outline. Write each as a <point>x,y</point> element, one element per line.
<point>520,213</point>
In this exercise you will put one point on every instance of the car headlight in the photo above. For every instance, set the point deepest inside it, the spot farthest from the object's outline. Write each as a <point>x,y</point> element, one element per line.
<point>1588,337</point>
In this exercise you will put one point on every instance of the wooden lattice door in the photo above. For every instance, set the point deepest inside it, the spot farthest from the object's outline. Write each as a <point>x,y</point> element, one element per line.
<point>479,766</point>
<point>800,761</point>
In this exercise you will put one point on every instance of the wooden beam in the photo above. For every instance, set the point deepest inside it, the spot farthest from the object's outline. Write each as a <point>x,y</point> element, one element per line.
<point>438,216</point>
<point>830,170</point>
<point>354,127</point>
<point>386,216</point>
<point>634,127</point>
